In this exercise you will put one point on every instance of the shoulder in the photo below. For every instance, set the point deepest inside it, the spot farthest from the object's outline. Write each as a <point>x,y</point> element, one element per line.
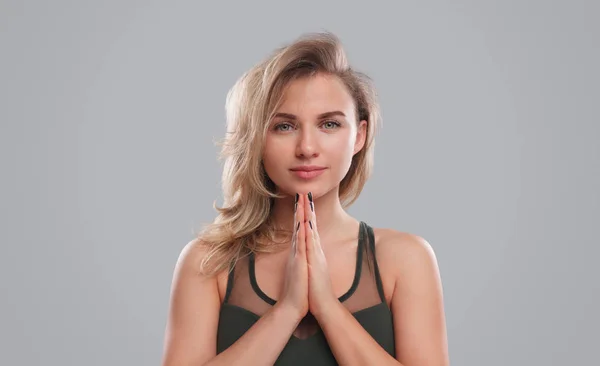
<point>190,262</point>
<point>402,245</point>
<point>190,334</point>
<point>416,297</point>
<point>191,254</point>
<point>403,252</point>
<point>188,276</point>
<point>191,257</point>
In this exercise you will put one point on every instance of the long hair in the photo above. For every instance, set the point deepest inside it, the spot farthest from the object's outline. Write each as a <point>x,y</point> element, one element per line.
<point>243,224</point>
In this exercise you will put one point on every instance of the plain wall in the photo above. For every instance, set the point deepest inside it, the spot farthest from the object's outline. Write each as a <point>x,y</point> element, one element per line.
<point>488,149</point>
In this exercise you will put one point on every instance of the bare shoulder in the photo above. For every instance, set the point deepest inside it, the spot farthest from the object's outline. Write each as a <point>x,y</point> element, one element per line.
<point>189,260</point>
<point>402,254</point>
<point>416,297</point>
<point>191,257</point>
<point>190,334</point>
<point>400,246</point>
<point>191,254</point>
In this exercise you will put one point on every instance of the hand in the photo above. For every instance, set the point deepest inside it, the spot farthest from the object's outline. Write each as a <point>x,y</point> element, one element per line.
<point>320,291</point>
<point>295,285</point>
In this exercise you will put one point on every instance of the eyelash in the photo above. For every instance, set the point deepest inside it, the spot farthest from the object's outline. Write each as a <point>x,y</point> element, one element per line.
<point>336,123</point>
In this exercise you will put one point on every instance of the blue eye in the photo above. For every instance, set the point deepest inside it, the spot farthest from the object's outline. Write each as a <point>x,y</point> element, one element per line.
<point>329,125</point>
<point>335,123</point>
<point>278,126</point>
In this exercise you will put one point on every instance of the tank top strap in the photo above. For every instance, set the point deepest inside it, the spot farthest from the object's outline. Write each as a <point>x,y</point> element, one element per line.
<point>366,247</point>
<point>371,254</point>
<point>257,290</point>
<point>230,279</point>
<point>357,266</point>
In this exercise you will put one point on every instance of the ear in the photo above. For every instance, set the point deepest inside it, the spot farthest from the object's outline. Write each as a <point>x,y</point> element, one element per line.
<point>361,136</point>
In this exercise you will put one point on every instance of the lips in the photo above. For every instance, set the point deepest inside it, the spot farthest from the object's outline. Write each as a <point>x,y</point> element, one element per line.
<point>307,168</point>
<point>308,172</point>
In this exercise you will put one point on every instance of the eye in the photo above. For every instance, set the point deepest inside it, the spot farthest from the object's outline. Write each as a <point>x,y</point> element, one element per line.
<point>279,125</point>
<point>333,124</point>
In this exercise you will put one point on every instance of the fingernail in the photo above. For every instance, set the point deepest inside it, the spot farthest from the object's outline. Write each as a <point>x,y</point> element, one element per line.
<point>298,226</point>
<point>296,203</point>
<point>312,207</point>
<point>310,224</point>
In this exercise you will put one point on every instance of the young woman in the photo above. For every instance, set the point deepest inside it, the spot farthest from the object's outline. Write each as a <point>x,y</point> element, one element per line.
<point>285,275</point>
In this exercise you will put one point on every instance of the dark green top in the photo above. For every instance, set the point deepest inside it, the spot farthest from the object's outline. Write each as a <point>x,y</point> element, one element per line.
<point>245,302</point>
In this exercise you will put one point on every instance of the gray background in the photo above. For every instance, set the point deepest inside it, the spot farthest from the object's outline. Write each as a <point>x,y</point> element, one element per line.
<point>489,150</point>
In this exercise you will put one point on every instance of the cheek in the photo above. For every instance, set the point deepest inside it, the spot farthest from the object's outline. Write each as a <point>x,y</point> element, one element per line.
<point>340,152</point>
<point>275,152</point>
<point>342,146</point>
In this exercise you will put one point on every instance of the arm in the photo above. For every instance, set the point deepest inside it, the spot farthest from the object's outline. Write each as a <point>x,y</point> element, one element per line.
<point>263,342</point>
<point>350,343</point>
<point>417,307</point>
<point>191,331</point>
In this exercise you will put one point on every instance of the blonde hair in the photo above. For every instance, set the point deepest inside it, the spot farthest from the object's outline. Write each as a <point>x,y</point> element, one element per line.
<point>243,223</point>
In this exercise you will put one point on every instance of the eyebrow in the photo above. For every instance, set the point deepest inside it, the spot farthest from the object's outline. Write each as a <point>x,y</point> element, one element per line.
<point>322,115</point>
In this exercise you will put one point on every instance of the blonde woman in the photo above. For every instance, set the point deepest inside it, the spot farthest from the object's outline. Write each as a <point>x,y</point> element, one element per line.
<point>285,275</point>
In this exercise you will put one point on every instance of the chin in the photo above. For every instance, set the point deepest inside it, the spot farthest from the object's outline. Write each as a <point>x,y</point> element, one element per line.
<point>318,189</point>
<point>318,186</point>
<point>291,188</point>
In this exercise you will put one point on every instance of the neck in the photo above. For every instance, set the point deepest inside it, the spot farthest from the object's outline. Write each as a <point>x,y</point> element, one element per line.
<point>330,215</point>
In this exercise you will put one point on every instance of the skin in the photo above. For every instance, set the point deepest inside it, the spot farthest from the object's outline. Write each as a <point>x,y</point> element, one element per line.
<point>407,263</point>
<point>408,268</point>
<point>308,140</point>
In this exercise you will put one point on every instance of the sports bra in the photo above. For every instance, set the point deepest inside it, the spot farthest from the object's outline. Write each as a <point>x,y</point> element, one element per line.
<point>245,303</point>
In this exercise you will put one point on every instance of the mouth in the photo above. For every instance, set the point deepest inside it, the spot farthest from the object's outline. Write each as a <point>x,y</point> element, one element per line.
<point>308,172</point>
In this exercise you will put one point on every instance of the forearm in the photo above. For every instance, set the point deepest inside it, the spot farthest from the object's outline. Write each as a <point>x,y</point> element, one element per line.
<point>350,343</point>
<point>263,342</point>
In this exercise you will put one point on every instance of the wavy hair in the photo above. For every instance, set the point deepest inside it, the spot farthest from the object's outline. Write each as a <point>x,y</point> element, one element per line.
<point>243,223</point>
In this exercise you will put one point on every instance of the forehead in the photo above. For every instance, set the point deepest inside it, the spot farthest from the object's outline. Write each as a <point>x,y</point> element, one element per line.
<point>317,94</point>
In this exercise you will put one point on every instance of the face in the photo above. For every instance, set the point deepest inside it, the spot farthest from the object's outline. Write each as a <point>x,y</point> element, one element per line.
<point>315,128</point>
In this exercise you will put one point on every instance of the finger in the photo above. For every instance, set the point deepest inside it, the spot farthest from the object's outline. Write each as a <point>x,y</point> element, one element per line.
<point>307,209</point>
<point>307,223</point>
<point>299,219</point>
<point>311,215</point>
<point>310,240</point>
<point>302,231</point>
<point>295,226</point>
<point>312,211</point>
<point>295,231</point>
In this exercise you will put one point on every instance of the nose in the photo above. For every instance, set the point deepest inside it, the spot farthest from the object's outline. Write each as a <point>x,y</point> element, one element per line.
<point>307,144</point>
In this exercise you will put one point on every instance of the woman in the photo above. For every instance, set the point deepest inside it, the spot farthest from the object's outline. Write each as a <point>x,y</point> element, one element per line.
<point>285,275</point>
